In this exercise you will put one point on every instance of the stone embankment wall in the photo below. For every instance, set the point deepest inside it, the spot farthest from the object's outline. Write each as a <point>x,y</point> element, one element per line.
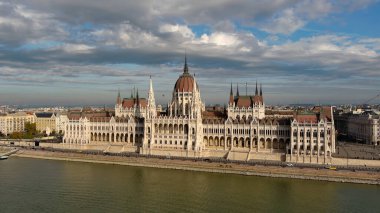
<point>230,155</point>
<point>355,162</point>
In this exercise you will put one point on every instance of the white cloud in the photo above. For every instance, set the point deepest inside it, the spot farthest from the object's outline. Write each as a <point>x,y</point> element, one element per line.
<point>286,23</point>
<point>183,30</point>
<point>220,39</point>
<point>153,33</point>
<point>19,24</point>
<point>292,18</point>
<point>77,48</point>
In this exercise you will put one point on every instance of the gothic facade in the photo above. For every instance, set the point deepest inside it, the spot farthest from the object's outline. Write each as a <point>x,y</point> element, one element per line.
<point>241,131</point>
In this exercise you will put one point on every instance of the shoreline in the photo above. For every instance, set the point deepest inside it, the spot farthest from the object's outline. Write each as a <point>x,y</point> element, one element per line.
<point>362,177</point>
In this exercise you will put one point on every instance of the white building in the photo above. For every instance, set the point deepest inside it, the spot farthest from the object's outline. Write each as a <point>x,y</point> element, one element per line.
<point>60,122</point>
<point>15,122</point>
<point>363,126</point>
<point>240,132</point>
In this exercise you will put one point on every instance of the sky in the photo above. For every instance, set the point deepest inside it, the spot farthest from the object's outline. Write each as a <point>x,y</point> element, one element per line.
<point>81,52</point>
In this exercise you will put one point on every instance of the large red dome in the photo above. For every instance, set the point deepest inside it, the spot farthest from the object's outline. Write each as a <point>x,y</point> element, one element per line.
<point>185,83</point>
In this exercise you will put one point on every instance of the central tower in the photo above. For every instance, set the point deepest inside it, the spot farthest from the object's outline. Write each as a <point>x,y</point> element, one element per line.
<point>186,96</point>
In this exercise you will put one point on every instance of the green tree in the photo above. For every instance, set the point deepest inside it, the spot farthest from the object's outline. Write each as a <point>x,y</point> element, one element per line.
<point>30,130</point>
<point>17,135</point>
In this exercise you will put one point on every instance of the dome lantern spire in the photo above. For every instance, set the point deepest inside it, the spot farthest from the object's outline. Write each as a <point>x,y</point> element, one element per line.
<point>185,68</point>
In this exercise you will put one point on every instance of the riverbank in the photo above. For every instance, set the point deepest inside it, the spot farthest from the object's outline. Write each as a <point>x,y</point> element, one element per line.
<point>364,177</point>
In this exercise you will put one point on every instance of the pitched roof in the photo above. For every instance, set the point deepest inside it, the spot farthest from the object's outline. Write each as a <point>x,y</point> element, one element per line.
<point>91,115</point>
<point>130,102</point>
<point>247,101</point>
<point>44,114</point>
<point>306,118</point>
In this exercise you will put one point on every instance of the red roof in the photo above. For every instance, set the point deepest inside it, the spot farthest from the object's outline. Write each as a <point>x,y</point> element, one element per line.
<point>91,115</point>
<point>185,83</point>
<point>306,118</point>
<point>248,101</point>
<point>130,102</point>
<point>325,112</point>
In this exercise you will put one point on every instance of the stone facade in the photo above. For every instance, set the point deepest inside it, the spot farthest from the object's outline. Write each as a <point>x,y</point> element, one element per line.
<point>46,122</point>
<point>15,122</point>
<point>242,131</point>
<point>364,127</point>
<point>60,122</point>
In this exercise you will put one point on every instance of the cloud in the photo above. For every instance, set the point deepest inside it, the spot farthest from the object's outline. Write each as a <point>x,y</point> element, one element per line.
<point>19,24</point>
<point>72,42</point>
<point>286,23</point>
<point>297,15</point>
<point>77,48</point>
<point>126,35</point>
<point>182,30</point>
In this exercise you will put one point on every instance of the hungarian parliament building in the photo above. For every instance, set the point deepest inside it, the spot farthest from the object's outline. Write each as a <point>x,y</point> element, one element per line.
<point>243,130</point>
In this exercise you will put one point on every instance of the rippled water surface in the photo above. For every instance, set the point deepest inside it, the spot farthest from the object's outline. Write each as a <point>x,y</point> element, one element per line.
<point>33,185</point>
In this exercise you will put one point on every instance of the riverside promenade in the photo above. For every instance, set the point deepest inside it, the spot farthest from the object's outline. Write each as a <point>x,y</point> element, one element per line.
<point>366,177</point>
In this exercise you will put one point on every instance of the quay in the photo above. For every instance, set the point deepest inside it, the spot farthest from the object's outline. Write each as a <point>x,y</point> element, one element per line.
<point>367,175</point>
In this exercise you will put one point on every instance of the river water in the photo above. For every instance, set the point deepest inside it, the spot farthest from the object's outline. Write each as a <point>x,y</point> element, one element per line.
<point>34,185</point>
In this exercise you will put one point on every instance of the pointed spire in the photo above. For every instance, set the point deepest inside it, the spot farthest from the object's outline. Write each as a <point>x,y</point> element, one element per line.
<point>237,90</point>
<point>257,91</point>
<point>185,68</point>
<point>151,100</point>
<point>261,90</point>
<point>118,100</point>
<point>150,84</point>
<point>195,86</point>
<point>231,95</point>
<point>137,97</point>
<point>133,92</point>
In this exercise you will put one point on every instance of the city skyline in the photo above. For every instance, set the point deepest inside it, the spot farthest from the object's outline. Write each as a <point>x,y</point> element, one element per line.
<point>81,53</point>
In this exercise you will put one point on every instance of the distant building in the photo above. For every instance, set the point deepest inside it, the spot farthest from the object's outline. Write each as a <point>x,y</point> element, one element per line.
<point>60,121</point>
<point>46,122</point>
<point>15,122</point>
<point>360,125</point>
<point>241,131</point>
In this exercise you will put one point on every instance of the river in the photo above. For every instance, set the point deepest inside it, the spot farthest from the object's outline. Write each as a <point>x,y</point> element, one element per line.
<point>34,185</point>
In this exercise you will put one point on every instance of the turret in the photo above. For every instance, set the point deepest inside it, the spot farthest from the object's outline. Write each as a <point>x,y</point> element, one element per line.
<point>257,91</point>
<point>151,100</point>
<point>118,100</point>
<point>237,90</point>
<point>137,98</point>
<point>231,95</point>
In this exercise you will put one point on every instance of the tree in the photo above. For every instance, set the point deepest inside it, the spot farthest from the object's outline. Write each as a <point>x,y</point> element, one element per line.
<point>17,135</point>
<point>30,130</point>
